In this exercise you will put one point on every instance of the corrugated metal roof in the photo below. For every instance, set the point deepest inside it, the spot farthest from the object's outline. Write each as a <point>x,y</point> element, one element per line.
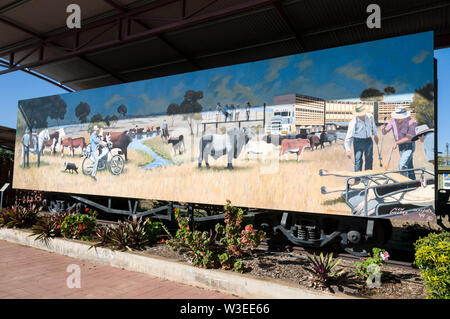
<point>212,33</point>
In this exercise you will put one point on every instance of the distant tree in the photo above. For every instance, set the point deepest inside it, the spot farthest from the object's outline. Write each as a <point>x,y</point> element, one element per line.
<point>389,90</point>
<point>114,120</point>
<point>38,111</point>
<point>122,110</point>
<point>96,118</point>
<point>371,94</point>
<point>190,103</point>
<point>191,108</point>
<point>82,111</point>
<point>107,120</point>
<point>172,110</point>
<point>423,105</point>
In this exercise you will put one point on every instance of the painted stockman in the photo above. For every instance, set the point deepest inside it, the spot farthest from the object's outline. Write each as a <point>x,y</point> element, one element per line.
<point>361,129</point>
<point>95,142</point>
<point>403,127</point>
<point>26,148</point>
<point>426,136</point>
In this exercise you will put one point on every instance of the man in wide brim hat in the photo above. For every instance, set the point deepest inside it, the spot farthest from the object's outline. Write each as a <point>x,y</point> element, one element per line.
<point>403,127</point>
<point>400,113</point>
<point>95,141</point>
<point>426,136</point>
<point>360,110</point>
<point>361,129</point>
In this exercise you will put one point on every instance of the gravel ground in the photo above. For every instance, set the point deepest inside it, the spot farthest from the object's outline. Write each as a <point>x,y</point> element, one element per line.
<point>396,282</point>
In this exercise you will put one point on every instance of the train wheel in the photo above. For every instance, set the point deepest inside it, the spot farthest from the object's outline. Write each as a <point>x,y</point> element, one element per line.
<point>354,243</point>
<point>87,165</point>
<point>116,165</point>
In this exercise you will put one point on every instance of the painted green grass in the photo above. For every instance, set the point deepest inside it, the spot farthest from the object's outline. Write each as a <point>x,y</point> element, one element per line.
<point>144,158</point>
<point>160,147</point>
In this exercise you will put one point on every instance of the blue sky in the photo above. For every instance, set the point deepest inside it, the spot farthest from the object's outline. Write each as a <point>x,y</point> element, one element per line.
<point>344,74</point>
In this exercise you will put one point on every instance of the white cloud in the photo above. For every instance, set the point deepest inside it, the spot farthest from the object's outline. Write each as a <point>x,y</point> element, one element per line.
<point>355,72</point>
<point>114,99</point>
<point>304,64</point>
<point>420,57</point>
<point>178,90</point>
<point>275,66</point>
<point>149,105</point>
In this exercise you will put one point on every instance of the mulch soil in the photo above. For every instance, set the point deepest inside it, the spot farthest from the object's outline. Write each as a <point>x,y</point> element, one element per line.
<point>397,282</point>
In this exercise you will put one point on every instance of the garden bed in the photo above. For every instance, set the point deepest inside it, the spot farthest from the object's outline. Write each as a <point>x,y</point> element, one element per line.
<point>396,282</point>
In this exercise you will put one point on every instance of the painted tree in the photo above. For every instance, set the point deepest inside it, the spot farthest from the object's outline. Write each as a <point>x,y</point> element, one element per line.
<point>107,120</point>
<point>82,111</point>
<point>389,90</point>
<point>38,111</point>
<point>114,120</point>
<point>371,94</point>
<point>96,118</point>
<point>423,105</point>
<point>191,108</point>
<point>122,110</point>
<point>172,110</point>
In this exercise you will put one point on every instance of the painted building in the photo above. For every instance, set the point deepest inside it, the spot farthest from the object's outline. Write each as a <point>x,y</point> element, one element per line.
<point>309,111</point>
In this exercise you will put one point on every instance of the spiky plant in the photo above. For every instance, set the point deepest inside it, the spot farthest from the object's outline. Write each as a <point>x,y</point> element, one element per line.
<point>48,226</point>
<point>19,216</point>
<point>128,235</point>
<point>323,268</point>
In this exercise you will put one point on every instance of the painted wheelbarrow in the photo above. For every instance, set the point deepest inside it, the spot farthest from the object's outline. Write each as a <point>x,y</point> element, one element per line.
<point>386,194</point>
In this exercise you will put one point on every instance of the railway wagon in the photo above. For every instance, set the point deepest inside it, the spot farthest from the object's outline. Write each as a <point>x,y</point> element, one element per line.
<point>307,194</point>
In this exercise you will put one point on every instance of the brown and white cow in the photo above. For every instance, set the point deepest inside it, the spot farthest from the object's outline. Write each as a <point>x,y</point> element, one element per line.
<point>72,143</point>
<point>55,139</point>
<point>119,140</point>
<point>294,146</point>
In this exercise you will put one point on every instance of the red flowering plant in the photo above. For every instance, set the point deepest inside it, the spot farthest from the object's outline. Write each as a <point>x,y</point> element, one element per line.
<point>236,242</point>
<point>224,249</point>
<point>78,226</point>
<point>200,244</point>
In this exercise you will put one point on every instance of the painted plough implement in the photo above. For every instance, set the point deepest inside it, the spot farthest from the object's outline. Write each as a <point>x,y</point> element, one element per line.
<point>386,193</point>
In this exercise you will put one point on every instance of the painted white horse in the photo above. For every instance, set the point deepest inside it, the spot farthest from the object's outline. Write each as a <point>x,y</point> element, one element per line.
<point>37,149</point>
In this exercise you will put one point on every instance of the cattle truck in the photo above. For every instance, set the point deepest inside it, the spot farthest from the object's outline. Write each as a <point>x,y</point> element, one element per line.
<point>314,202</point>
<point>280,119</point>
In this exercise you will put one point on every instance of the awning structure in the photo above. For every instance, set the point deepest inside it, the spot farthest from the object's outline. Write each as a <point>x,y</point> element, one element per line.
<point>7,138</point>
<point>127,40</point>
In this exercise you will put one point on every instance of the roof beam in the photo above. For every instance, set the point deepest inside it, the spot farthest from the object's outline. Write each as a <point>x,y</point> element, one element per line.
<point>279,7</point>
<point>42,38</point>
<point>13,5</point>
<point>241,7</point>
<point>159,36</point>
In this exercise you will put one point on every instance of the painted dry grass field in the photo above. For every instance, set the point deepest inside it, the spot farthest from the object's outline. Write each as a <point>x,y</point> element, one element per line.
<point>291,185</point>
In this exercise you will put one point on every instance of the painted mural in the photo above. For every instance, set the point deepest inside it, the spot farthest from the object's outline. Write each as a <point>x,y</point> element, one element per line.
<point>346,131</point>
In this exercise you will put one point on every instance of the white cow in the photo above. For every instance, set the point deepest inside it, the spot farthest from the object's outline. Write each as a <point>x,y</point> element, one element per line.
<point>259,148</point>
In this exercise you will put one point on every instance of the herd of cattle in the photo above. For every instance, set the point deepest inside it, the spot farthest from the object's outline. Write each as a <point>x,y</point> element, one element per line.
<point>232,143</point>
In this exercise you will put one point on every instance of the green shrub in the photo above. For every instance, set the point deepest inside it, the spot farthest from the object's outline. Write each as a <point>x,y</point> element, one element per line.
<point>225,248</point>
<point>370,268</point>
<point>78,226</point>
<point>433,259</point>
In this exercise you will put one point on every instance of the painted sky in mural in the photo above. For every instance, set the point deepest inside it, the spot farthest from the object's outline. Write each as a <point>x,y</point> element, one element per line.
<point>339,73</point>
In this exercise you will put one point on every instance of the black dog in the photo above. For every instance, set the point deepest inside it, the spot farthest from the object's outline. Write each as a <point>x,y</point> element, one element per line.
<point>71,167</point>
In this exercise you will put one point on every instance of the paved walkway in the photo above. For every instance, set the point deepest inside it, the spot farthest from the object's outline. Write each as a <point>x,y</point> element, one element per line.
<point>27,272</point>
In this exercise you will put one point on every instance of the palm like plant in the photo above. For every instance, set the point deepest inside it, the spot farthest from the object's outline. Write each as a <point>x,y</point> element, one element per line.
<point>19,216</point>
<point>323,268</point>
